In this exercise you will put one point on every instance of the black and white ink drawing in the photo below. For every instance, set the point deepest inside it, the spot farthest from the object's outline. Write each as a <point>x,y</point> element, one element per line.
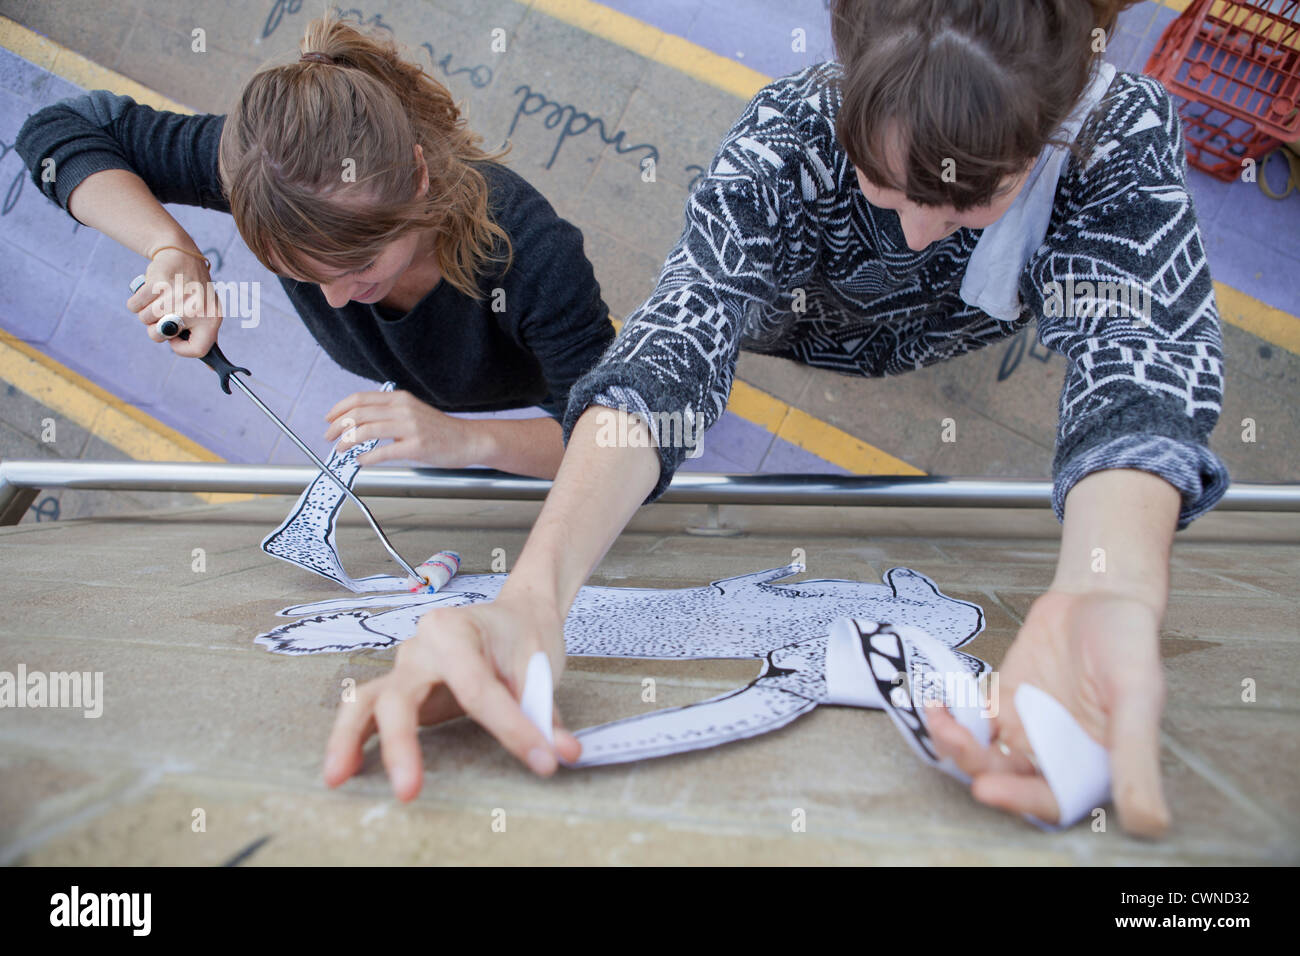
<point>786,626</point>
<point>306,536</point>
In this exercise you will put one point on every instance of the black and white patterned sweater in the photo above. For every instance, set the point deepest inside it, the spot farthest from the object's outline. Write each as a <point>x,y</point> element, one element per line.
<point>780,214</point>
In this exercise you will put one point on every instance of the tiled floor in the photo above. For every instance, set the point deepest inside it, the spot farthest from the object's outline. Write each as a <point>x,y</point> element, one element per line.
<point>60,292</point>
<point>62,286</point>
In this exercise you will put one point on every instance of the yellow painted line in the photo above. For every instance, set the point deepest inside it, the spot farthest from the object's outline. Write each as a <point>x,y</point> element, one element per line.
<point>814,435</point>
<point>811,434</point>
<point>75,68</point>
<point>98,411</point>
<point>1258,318</point>
<point>839,447</point>
<point>655,45</point>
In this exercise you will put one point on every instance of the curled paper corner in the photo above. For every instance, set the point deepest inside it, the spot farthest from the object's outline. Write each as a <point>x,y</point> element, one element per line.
<point>1076,767</point>
<point>933,672</point>
<point>538,698</point>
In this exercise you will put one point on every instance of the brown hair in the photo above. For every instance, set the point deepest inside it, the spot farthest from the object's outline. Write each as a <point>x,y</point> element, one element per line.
<point>355,104</point>
<point>971,88</point>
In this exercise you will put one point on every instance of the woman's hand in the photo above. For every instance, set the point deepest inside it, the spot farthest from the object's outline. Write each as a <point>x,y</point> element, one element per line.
<point>180,285</point>
<point>420,432</point>
<point>462,660</point>
<point>1098,655</point>
<point>1092,642</point>
<point>473,659</point>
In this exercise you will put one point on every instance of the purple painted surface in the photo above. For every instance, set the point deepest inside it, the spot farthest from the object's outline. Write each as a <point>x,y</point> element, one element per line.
<point>738,441</point>
<point>789,458</point>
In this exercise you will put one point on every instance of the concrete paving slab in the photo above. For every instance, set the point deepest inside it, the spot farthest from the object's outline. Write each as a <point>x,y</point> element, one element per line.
<point>196,717</point>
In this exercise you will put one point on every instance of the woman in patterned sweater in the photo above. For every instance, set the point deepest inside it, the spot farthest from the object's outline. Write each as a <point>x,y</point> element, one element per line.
<point>965,168</point>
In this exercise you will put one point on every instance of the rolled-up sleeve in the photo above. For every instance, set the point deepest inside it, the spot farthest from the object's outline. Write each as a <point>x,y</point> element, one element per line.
<point>1122,289</point>
<point>174,153</point>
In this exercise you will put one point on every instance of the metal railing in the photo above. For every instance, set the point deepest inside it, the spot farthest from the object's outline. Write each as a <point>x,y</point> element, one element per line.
<point>21,481</point>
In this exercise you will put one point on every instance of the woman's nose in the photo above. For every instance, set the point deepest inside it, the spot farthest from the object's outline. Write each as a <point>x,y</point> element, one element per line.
<point>920,229</point>
<point>336,294</point>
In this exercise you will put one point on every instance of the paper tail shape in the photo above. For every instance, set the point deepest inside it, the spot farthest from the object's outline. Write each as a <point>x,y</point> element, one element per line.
<point>747,712</point>
<point>1075,767</point>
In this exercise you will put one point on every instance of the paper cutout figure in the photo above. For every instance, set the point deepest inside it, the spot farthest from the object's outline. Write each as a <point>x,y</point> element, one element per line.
<point>746,617</point>
<point>824,641</point>
<point>306,536</point>
<point>741,617</point>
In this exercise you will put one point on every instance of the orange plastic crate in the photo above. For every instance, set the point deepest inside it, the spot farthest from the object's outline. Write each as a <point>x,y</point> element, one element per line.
<point>1218,143</point>
<point>1238,56</point>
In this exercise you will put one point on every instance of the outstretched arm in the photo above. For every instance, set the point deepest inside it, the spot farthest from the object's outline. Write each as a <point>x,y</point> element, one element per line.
<point>472,660</point>
<point>670,370</point>
<point>111,163</point>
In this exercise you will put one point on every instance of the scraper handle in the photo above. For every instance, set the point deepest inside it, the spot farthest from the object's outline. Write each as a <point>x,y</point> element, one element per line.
<point>217,361</point>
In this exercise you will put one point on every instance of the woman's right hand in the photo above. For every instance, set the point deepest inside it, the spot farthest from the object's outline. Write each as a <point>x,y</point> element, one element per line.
<point>470,661</point>
<point>190,296</point>
<point>474,659</point>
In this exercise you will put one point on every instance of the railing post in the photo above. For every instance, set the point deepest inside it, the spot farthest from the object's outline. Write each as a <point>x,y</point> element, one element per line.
<point>14,502</point>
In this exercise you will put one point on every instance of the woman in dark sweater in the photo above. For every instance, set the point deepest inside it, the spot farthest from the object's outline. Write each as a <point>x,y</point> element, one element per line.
<point>966,168</point>
<point>411,254</point>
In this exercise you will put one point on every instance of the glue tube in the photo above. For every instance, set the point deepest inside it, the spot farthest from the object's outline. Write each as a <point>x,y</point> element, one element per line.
<point>437,571</point>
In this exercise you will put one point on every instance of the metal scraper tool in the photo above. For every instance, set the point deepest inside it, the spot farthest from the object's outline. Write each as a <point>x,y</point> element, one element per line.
<point>173,326</point>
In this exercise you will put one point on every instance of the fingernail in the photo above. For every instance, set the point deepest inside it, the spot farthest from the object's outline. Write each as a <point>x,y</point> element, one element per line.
<point>541,760</point>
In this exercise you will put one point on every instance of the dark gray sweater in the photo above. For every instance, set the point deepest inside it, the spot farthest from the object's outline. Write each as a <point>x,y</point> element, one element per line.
<point>450,351</point>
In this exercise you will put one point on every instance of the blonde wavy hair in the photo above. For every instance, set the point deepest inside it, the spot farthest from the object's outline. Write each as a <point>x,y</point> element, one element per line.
<point>298,128</point>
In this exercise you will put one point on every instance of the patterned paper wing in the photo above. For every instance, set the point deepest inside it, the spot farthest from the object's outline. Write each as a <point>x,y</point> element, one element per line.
<point>306,536</point>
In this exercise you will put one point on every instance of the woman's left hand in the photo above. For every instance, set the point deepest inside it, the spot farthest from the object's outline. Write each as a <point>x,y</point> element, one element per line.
<point>1098,655</point>
<point>420,432</point>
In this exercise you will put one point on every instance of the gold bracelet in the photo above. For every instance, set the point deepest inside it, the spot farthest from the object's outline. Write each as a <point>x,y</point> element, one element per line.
<point>196,255</point>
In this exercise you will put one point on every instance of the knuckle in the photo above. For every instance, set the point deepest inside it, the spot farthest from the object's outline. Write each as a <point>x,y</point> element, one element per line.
<point>470,694</point>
